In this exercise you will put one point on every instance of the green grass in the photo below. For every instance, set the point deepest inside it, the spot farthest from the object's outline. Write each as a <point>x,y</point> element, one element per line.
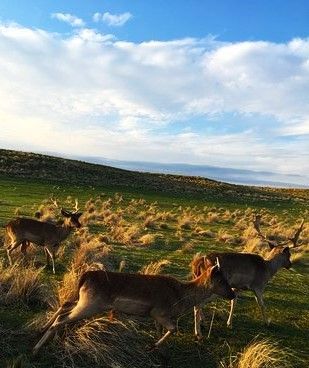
<point>286,296</point>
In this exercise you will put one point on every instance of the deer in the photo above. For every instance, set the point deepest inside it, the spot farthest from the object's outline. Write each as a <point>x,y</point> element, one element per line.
<point>22,230</point>
<point>246,271</point>
<point>162,298</point>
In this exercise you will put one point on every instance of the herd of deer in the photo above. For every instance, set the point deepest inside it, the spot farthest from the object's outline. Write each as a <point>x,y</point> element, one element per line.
<point>162,298</point>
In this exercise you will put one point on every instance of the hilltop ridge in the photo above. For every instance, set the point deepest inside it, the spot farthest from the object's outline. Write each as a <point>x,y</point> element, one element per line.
<point>28,165</point>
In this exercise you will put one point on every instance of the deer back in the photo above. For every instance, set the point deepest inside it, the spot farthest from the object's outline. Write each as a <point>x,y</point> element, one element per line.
<point>146,295</point>
<point>241,270</point>
<point>38,232</point>
<point>132,293</point>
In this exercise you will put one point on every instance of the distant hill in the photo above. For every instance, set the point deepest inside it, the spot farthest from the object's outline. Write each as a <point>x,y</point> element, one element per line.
<point>228,175</point>
<point>43,167</point>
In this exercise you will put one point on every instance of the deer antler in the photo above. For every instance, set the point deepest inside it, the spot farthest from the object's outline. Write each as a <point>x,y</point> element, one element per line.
<point>294,239</point>
<point>76,205</point>
<point>54,202</point>
<point>256,224</point>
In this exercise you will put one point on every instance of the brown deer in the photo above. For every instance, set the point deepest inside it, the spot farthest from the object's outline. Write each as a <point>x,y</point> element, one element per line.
<point>245,271</point>
<point>21,231</point>
<point>162,298</point>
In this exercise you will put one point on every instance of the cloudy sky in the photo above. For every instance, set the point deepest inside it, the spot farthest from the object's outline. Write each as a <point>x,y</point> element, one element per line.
<point>220,83</point>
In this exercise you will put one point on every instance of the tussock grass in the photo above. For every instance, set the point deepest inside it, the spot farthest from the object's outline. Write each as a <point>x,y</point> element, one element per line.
<point>212,217</point>
<point>91,251</point>
<point>150,239</point>
<point>204,233</point>
<point>185,222</point>
<point>104,343</point>
<point>23,285</point>
<point>68,287</point>
<point>261,354</point>
<point>225,237</point>
<point>154,268</point>
<point>257,246</point>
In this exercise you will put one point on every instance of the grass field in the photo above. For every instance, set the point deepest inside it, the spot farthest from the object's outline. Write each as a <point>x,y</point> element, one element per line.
<point>133,227</point>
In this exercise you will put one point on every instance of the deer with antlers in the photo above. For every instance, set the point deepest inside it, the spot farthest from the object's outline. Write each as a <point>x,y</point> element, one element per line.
<point>162,298</point>
<point>246,271</point>
<point>21,231</point>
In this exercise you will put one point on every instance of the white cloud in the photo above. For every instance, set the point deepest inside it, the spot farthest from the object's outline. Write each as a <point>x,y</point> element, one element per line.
<point>115,20</point>
<point>69,18</point>
<point>90,94</point>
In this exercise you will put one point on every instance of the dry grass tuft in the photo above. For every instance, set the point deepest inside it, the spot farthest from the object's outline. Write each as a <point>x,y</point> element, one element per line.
<point>150,239</point>
<point>185,222</point>
<point>68,287</point>
<point>104,343</point>
<point>212,217</point>
<point>257,246</point>
<point>261,354</point>
<point>154,268</point>
<point>23,285</point>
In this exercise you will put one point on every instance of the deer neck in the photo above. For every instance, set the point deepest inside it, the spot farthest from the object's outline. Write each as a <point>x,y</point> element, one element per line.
<point>273,265</point>
<point>199,290</point>
<point>64,230</point>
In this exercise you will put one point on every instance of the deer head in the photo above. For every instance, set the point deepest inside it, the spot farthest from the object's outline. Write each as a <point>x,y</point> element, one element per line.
<point>280,250</point>
<point>218,282</point>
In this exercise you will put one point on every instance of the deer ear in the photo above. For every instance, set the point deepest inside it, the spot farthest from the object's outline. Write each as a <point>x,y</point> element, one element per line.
<point>78,214</point>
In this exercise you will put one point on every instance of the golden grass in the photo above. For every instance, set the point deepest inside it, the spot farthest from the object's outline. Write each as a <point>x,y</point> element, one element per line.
<point>261,354</point>
<point>104,343</point>
<point>154,268</point>
<point>257,246</point>
<point>23,284</point>
<point>150,239</point>
<point>68,287</point>
<point>185,222</point>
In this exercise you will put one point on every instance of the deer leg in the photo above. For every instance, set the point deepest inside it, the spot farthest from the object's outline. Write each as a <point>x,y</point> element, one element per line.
<point>24,245</point>
<point>159,328</point>
<point>51,253</point>
<point>168,324</point>
<point>260,301</point>
<point>47,257</point>
<point>65,308</point>
<point>229,321</point>
<point>13,246</point>
<point>83,309</point>
<point>197,322</point>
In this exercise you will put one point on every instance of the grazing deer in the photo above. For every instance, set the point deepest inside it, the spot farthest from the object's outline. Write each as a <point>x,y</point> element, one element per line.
<point>21,231</point>
<point>163,298</point>
<point>245,271</point>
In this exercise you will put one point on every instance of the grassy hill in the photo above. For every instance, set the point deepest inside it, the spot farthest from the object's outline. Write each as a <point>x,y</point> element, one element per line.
<point>27,165</point>
<point>145,223</point>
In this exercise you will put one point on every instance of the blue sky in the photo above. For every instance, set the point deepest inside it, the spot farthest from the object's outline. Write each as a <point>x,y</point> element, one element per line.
<point>275,20</point>
<point>222,83</point>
